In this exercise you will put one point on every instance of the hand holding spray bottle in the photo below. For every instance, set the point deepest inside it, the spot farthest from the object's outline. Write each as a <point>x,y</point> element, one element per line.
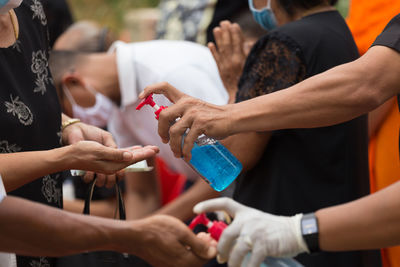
<point>210,159</point>
<point>216,228</point>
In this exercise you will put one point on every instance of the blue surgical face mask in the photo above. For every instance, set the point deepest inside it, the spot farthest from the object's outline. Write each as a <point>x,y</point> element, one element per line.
<point>265,17</point>
<point>7,5</point>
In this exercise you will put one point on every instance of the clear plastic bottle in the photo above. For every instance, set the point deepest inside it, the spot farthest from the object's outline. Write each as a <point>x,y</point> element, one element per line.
<point>210,159</point>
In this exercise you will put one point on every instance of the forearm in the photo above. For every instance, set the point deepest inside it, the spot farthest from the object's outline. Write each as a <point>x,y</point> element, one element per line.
<point>182,207</point>
<point>247,147</point>
<point>337,95</point>
<point>54,232</point>
<point>20,168</point>
<point>369,223</point>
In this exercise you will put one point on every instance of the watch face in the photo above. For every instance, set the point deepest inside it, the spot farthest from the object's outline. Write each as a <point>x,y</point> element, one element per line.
<point>309,226</point>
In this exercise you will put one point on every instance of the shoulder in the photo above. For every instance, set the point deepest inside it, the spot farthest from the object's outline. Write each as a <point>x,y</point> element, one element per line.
<point>390,36</point>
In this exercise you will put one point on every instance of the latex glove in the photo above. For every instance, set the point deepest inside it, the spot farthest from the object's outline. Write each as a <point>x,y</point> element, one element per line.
<point>254,231</point>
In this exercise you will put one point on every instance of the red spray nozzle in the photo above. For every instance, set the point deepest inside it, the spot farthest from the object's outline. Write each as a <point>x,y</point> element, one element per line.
<point>215,228</point>
<point>199,219</point>
<point>147,101</point>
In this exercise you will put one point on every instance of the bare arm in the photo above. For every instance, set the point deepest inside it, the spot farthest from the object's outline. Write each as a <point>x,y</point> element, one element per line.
<point>182,207</point>
<point>157,239</point>
<point>20,168</point>
<point>378,116</point>
<point>334,96</point>
<point>247,147</point>
<point>368,223</point>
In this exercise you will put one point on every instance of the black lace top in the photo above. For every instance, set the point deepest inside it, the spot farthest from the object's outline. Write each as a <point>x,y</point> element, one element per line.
<point>276,62</point>
<point>30,115</point>
<point>303,170</point>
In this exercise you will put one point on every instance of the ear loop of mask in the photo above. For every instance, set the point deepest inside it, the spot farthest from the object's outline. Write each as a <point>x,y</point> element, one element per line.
<point>71,98</point>
<point>68,95</point>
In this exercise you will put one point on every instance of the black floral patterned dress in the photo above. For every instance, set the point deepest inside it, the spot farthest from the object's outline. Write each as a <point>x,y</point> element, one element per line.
<point>30,114</point>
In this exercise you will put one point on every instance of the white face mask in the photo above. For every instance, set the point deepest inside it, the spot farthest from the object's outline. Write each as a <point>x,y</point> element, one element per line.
<point>7,5</point>
<point>97,115</point>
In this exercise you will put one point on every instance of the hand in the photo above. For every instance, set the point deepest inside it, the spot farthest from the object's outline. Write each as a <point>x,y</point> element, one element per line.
<point>254,231</point>
<point>92,156</point>
<point>165,241</point>
<point>199,116</point>
<point>84,132</point>
<point>229,55</point>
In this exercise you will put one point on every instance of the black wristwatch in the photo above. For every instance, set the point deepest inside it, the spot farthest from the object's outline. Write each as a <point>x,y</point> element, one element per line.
<point>310,232</point>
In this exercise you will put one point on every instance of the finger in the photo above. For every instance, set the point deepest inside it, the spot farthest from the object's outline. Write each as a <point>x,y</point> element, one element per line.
<point>167,118</point>
<point>89,176</point>
<point>214,52</point>
<point>164,88</point>
<point>116,155</point>
<point>237,39</point>
<point>120,175</point>
<point>226,40</point>
<point>228,240</point>
<point>189,141</point>
<point>101,179</point>
<point>111,180</point>
<point>217,37</point>
<point>226,204</point>
<point>142,154</point>
<point>257,255</point>
<point>176,135</point>
<point>239,252</point>
<point>108,140</point>
<point>198,246</point>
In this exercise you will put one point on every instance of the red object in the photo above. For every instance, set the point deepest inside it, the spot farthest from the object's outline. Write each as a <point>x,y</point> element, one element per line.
<point>149,101</point>
<point>215,228</point>
<point>171,183</point>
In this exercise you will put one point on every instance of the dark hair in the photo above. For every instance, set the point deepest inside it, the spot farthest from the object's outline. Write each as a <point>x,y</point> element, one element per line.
<point>291,5</point>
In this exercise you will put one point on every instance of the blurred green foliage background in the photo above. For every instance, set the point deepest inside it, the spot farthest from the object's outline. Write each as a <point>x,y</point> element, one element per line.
<point>110,13</point>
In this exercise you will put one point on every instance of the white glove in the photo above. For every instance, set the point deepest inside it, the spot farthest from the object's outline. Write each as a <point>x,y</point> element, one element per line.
<point>254,231</point>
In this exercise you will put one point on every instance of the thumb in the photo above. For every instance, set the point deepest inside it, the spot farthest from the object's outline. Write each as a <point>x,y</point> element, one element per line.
<point>227,204</point>
<point>113,154</point>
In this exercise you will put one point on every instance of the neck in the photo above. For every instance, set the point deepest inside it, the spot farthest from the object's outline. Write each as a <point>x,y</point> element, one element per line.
<point>102,67</point>
<point>317,9</point>
<point>284,18</point>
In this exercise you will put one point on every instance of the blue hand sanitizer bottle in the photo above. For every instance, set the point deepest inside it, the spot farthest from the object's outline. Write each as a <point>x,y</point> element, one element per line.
<point>210,159</point>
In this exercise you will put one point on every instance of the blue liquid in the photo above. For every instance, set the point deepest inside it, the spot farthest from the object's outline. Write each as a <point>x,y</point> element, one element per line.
<point>215,164</point>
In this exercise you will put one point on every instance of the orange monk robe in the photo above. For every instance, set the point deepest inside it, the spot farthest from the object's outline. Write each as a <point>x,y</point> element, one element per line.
<point>368,18</point>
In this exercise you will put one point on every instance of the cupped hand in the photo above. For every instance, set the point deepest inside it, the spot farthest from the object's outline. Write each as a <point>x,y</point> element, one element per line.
<point>92,156</point>
<point>254,231</point>
<point>198,116</point>
<point>85,132</point>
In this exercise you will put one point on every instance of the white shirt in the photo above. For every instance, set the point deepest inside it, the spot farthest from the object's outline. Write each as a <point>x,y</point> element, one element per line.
<point>187,66</point>
<point>6,259</point>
